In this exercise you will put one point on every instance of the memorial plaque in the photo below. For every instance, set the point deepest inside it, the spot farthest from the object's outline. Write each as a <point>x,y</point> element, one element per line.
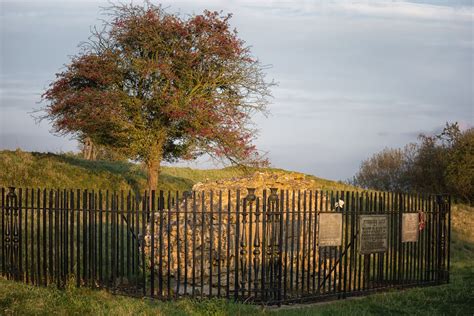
<point>373,230</point>
<point>330,229</point>
<point>410,227</point>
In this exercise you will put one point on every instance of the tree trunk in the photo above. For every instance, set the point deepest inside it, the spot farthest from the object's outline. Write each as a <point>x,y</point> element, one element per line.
<point>153,167</point>
<point>88,149</point>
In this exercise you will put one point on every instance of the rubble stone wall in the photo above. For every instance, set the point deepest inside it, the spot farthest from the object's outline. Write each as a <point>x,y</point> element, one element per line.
<point>199,234</point>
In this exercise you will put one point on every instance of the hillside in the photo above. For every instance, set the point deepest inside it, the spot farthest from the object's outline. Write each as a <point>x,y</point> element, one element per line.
<point>51,170</point>
<point>47,170</point>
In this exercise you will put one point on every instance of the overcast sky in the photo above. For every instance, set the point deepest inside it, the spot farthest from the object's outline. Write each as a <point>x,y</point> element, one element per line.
<point>354,77</point>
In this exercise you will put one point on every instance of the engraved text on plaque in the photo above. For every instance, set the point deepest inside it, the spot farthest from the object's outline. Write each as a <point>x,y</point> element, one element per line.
<point>409,227</point>
<point>373,231</point>
<point>330,229</point>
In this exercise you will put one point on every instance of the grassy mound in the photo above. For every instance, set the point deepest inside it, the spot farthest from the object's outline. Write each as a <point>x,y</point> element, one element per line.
<point>47,170</point>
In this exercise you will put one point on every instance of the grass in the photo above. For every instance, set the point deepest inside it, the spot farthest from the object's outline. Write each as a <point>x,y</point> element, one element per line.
<point>47,170</point>
<point>18,299</point>
<point>456,298</point>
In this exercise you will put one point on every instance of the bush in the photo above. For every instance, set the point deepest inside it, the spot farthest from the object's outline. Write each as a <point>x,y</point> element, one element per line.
<point>384,171</point>
<point>460,169</point>
<point>442,163</point>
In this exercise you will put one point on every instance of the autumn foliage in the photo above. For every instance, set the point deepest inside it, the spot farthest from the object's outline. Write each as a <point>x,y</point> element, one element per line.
<point>158,86</point>
<point>441,163</point>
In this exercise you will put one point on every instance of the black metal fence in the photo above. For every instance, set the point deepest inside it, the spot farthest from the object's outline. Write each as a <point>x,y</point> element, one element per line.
<point>269,247</point>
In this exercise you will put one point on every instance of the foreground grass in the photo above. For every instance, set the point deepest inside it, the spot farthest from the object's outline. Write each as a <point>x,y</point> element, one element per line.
<point>18,299</point>
<point>456,298</point>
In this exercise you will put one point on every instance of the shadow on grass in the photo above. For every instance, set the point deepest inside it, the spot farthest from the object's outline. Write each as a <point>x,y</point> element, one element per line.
<point>132,173</point>
<point>173,183</point>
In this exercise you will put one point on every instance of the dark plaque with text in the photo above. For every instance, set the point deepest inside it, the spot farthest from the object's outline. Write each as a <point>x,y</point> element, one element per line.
<point>373,231</point>
<point>410,224</point>
<point>330,229</point>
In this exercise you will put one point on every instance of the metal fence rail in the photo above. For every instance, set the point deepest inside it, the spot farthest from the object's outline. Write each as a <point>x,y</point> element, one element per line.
<point>269,247</point>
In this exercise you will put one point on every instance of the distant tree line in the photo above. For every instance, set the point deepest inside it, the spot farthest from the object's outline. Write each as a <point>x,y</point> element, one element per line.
<point>441,163</point>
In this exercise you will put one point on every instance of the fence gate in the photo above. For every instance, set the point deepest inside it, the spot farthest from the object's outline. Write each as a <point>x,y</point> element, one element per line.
<point>273,243</point>
<point>260,247</point>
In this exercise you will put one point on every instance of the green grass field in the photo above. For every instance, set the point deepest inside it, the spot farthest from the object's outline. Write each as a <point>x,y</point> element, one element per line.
<point>49,170</point>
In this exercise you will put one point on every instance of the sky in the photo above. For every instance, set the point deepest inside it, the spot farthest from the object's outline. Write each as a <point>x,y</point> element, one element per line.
<point>353,77</point>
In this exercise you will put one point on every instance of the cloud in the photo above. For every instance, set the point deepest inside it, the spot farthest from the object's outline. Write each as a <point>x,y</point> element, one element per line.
<point>22,94</point>
<point>308,104</point>
<point>374,9</point>
<point>392,9</point>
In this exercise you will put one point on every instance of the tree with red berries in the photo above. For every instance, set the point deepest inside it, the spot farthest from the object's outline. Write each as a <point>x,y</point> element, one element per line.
<point>157,87</point>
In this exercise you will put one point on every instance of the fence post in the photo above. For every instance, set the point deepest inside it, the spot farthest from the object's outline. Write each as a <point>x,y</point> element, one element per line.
<point>3,233</point>
<point>274,243</point>
<point>152,244</point>
<point>12,235</point>
<point>237,237</point>
<point>243,240</point>
<point>442,203</point>
<point>449,239</point>
<point>280,247</point>
<point>257,252</point>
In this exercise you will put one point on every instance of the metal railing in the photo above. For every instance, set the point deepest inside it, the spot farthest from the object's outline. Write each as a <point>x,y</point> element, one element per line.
<point>269,247</point>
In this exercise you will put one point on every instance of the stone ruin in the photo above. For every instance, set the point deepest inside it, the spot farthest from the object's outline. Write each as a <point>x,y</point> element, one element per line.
<point>194,241</point>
